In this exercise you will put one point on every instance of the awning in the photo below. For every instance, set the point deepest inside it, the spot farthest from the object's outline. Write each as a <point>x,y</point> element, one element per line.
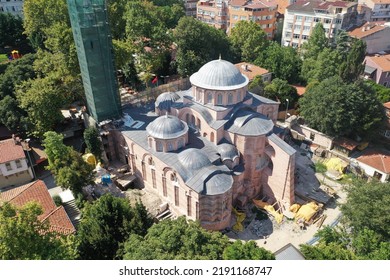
<point>369,70</point>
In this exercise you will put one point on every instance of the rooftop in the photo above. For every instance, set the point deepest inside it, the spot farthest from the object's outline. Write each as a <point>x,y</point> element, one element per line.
<point>250,70</point>
<point>367,29</point>
<point>9,151</point>
<point>37,192</point>
<point>310,6</point>
<point>378,159</point>
<point>382,61</point>
<point>387,105</point>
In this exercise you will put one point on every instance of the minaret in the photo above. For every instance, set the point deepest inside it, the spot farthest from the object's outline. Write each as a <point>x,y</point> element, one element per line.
<point>95,53</point>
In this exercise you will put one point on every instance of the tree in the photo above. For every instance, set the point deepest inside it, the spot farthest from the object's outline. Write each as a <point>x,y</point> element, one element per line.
<point>197,44</point>
<point>246,251</point>
<point>11,34</point>
<point>336,108</point>
<point>93,142</point>
<point>382,92</point>
<point>176,239</point>
<point>280,90</point>
<point>24,237</point>
<point>106,224</point>
<point>283,62</point>
<point>342,43</point>
<point>10,114</point>
<point>70,170</point>
<point>248,40</point>
<point>366,205</point>
<point>257,85</point>
<point>352,68</point>
<point>40,99</point>
<point>325,66</point>
<point>316,42</point>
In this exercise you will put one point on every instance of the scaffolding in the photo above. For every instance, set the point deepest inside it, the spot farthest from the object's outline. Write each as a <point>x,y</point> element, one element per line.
<point>95,53</point>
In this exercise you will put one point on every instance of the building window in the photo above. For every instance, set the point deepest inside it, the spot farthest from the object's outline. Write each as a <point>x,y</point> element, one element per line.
<point>297,27</point>
<point>306,28</point>
<point>243,18</point>
<point>177,196</point>
<point>197,210</point>
<point>317,19</point>
<point>230,98</point>
<point>239,97</point>
<point>235,17</point>
<point>327,20</point>
<point>385,84</point>
<point>387,74</point>
<point>298,18</point>
<point>8,166</point>
<point>338,20</point>
<point>312,136</point>
<point>170,146</point>
<point>296,36</point>
<point>339,10</point>
<point>154,178</point>
<point>159,146</point>
<point>308,19</point>
<point>189,210</point>
<point>180,143</point>
<point>150,161</point>
<point>18,163</point>
<point>164,183</point>
<point>209,97</point>
<point>219,99</point>
<point>305,37</point>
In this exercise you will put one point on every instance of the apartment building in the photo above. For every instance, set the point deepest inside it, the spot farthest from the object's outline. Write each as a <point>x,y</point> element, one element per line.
<point>263,12</point>
<point>14,7</point>
<point>214,13</point>
<point>380,9</point>
<point>190,7</point>
<point>301,17</point>
<point>376,35</point>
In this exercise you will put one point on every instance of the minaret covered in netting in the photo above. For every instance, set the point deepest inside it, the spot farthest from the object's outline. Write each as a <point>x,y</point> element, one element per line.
<point>91,33</point>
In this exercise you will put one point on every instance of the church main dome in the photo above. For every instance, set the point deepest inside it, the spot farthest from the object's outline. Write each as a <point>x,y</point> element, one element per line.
<point>220,75</point>
<point>167,127</point>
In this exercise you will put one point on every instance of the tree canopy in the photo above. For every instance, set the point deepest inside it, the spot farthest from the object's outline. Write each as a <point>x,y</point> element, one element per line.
<point>24,237</point>
<point>336,108</point>
<point>280,90</point>
<point>246,251</point>
<point>93,142</point>
<point>106,224</point>
<point>352,67</point>
<point>248,40</point>
<point>11,34</point>
<point>316,42</point>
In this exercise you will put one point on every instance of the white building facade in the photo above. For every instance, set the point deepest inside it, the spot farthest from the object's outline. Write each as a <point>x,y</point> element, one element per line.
<point>302,17</point>
<point>14,7</point>
<point>380,9</point>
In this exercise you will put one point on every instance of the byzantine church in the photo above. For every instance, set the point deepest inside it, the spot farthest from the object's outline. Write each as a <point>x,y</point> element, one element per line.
<point>212,148</point>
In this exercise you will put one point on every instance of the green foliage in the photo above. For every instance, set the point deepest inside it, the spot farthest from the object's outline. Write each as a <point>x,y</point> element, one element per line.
<point>280,90</point>
<point>246,251</point>
<point>366,206</point>
<point>12,33</point>
<point>106,224</point>
<point>24,237</point>
<point>329,251</point>
<point>257,85</point>
<point>352,68</point>
<point>57,200</point>
<point>320,167</point>
<point>197,44</point>
<point>342,43</point>
<point>283,62</point>
<point>336,108</point>
<point>382,92</point>
<point>40,99</point>
<point>70,170</point>
<point>10,114</point>
<point>316,42</point>
<point>248,40</point>
<point>176,239</point>
<point>93,142</point>
<point>325,66</point>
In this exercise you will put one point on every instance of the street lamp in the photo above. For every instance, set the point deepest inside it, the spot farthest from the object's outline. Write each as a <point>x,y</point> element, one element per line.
<point>285,117</point>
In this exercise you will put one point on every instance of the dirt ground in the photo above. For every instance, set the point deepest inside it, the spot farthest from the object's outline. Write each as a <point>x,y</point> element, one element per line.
<point>273,236</point>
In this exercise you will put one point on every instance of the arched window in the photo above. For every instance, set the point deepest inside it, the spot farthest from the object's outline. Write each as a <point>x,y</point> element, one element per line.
<point>150,161</point>
<point>219,99</point>
<point>170,146</point>
<point>239,97</point>
<point>150,142</point>
<point>209,97</point>
<point>230,98</point>
<point>180,143</point>
<point>212,136</point>
<point>198,123</point>
<point>159,146</point>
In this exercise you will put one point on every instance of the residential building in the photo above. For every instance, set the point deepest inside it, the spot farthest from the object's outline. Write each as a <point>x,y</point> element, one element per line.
<point>91,34</point>
<point>375,34</point>
<point>190,7</point>
<point>301,17</point>
<point>14,7</point>
<point>386,128</point>
<point>377,68</point>
<point>214,13</point>
<point>263,12</point>
<point>251,71</point>
<point>14,167</point>
<point>380,9</point>
<point>283,4</point>
<point>37,192</point>
<point>211,148</point>
<point>375,163</point>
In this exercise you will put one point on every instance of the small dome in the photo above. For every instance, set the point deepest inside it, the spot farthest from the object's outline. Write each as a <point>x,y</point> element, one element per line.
<point>219,74</point>
<point>218,184</point>
<point>250,123</point>
<point>227,151</point>
<point>167,127</point>
<point>193,159</point>
<point>165,100</point>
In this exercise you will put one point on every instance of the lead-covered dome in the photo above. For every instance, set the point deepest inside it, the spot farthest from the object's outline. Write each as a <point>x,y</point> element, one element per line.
<point>193,159</point>
<point>227,151</point>
<point>219,74</point>
<point>167,127</point>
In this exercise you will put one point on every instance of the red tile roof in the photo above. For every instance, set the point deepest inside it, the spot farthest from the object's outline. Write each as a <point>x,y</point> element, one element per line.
<point>37,192</point>
<point>367,29</point>
<point>382,61</point>
<point>10,151</point>
<point>251,70</point>
<point>387,105</point>
<point>346,143</point>
<point>379,160</point>
<point>300,89</point>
